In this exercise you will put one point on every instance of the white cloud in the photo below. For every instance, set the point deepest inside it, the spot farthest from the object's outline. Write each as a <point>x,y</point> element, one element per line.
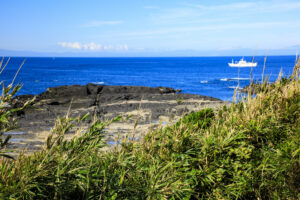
<point>102,23</point>
<point>253,6</point>
<point>188,12</point>
<point>175,14</point>
<point>92,46</point>
<point>72,45</point>
<point>218,27</point>
<point>240,5</point>
<point>151,7</point>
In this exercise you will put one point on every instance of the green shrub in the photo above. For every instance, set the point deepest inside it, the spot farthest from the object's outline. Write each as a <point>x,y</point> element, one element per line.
<point>200,120</point>
<point>249,150</point>
<point>7,121</point>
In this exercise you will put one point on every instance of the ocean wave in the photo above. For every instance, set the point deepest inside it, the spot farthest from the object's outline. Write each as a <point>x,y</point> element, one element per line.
<point>98,83</point>
<point>240,78</point>
<point>230,79</point>
<point>234,87</point>
<point>203,81</point>
<point>225,79</point>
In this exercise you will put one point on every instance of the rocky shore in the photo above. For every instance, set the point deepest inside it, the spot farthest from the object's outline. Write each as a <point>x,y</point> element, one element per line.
<point>148,107</point>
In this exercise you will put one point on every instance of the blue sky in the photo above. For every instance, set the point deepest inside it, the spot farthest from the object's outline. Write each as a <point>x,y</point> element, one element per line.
<point>151,27</point>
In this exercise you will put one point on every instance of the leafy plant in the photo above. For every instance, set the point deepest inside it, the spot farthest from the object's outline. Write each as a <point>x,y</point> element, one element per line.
<point>248,150</point>
<point>7,121</point>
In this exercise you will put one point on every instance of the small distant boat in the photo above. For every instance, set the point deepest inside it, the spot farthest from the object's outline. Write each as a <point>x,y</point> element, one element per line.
<point>242,63</point>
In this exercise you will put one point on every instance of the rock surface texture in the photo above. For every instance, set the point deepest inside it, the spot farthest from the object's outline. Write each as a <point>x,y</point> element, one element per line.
<point>148,107</point>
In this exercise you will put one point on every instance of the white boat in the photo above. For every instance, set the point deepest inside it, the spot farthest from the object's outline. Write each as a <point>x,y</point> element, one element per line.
<point>242,63</point>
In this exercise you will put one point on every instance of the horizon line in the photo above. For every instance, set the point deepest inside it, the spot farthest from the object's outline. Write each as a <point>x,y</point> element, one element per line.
<point>147,56</point>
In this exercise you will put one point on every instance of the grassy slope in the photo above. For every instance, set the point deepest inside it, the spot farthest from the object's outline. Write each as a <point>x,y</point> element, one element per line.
<point>250,150</point>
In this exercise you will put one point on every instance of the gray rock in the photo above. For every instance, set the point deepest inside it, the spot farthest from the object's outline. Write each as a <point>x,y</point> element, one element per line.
<point>105,102</point>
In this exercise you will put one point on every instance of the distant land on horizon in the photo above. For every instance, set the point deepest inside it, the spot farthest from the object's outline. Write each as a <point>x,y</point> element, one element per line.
<point>174,53</point>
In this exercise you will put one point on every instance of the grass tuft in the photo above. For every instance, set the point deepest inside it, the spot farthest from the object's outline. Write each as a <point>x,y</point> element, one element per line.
<point>249,150</point>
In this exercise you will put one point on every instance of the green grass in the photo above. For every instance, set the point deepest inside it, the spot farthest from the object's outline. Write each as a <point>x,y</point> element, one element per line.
<point>7,121</point>
<point>249,150</point>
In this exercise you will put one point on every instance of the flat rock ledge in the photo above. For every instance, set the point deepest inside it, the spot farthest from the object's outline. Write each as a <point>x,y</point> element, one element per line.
<point>148,107</point>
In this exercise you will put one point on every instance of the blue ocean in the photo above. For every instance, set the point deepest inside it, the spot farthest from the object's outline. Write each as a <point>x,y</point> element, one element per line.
<point>210,76</point>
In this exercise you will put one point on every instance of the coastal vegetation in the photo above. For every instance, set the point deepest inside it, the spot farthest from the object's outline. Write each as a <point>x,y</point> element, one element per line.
<point>248,150</point>
<point>7,122</point>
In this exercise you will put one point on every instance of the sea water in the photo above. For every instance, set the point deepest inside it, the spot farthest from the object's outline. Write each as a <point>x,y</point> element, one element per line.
<point>210,76</point>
